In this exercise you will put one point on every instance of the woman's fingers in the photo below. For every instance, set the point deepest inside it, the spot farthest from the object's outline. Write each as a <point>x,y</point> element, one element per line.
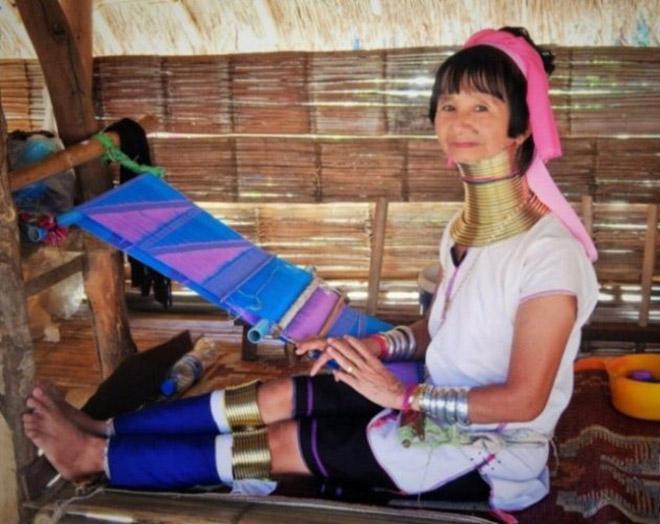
<point>362,349</point>
<point>310,345</point>
<point>345,355</point>
<point>347,378</point>
<point>323,359</point>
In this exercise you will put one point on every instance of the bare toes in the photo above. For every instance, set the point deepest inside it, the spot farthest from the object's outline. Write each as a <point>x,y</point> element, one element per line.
<point>47,402</point>
<point>37,405</point>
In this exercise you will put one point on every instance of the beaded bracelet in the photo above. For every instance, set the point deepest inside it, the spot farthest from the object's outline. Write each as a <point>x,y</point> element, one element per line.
<point>380,339</point>
<point>408,396</point>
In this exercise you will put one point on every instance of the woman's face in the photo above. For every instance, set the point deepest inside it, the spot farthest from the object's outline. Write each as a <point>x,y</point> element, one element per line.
<point>472,126</point>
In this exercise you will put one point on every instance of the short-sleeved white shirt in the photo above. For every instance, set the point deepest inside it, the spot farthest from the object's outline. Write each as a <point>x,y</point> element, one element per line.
<point>471,346</point>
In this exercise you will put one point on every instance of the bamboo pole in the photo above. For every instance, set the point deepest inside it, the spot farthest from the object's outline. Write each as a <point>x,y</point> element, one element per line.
<point>16,363</point>
<point>62,65</point>
<point>648,264</point>
<point>69,158</point>
<point>376,261</point>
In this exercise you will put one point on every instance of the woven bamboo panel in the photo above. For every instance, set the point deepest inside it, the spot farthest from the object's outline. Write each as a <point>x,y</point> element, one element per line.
<point>409,78</point>
<point>362,169</point>
<point>38,95</point>
<point>21,89</point>
<point>619,231</point>
<point>277,169</point>
<point>575,171</point>
<point>412,237</point>
<point>346,93</point>
<point>269,93</point>
<point>628,170</point>
<point>197,90</point>
<point>203,167</point>
<point>429,176</point>
<point>15,92</point>
<point>310,169</point>
<point>615,90</point>
<point>595,91</point>
<point>129,88</point>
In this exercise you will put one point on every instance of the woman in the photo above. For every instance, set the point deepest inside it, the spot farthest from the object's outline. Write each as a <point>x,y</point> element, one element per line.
<point>498,344</point>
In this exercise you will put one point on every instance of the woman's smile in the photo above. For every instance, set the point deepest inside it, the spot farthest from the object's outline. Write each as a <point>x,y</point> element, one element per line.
<point>464,144</point>
<point>472,126</point>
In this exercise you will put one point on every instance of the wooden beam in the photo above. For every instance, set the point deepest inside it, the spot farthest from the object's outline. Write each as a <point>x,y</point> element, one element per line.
<point>64,75</point>
<point>55,275</point>
<point>620,332</point>
<point>69,158</point>
<point>183,508</point>
<point>79,15</point>
<point>376,261</point>
<point>648,263</point>
<point>16,362</point>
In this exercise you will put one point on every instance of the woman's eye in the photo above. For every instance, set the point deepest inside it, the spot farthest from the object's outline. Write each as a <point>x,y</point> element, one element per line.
<point>446,107</point>
<point>480,108</point>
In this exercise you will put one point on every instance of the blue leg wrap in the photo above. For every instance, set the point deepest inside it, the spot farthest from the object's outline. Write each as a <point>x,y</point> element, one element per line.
<point>155,462</point>
<point>187,416</point>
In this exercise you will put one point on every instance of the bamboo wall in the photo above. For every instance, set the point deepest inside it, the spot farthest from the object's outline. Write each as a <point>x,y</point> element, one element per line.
<point>294,148</point>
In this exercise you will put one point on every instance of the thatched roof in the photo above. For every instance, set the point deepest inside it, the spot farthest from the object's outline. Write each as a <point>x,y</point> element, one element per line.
<point>186,27</point>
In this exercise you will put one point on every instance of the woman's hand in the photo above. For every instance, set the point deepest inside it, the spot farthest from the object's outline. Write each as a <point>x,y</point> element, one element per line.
<point>363,371</point>
<point>319,345</point>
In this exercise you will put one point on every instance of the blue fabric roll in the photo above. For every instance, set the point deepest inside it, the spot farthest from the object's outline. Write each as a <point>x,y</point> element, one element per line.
<point>162,462</point>
<point>186,416</point>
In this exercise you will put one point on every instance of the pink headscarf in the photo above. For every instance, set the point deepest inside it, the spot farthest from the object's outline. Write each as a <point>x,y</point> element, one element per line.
<point>544,130</point>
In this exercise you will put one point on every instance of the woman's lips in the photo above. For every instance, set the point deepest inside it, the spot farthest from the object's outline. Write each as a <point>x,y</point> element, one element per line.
<point>464,144</point>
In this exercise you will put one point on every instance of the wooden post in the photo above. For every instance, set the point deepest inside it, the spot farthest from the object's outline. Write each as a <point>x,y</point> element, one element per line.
<point>64,74</point>
<point>16,364</point>
<point>648,264</point>
<point>79,16</point>
<point>376,261</point>
<point>588,213</point>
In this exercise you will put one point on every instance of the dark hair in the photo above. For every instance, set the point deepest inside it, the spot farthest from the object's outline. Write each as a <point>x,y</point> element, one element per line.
<point>491,71</point>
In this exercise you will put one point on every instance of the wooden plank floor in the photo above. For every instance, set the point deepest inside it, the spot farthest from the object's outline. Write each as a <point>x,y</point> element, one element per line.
<point>72,364</point>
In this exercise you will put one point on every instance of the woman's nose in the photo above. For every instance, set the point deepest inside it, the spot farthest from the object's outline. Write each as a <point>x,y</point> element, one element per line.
<point>463,120</point>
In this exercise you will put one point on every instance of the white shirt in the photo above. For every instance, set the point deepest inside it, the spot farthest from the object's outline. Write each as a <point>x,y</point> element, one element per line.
<point>472,346</point>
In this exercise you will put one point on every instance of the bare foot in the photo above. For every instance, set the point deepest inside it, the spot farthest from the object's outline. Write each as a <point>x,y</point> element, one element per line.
<point>73,452</point>
<point>80,419</point>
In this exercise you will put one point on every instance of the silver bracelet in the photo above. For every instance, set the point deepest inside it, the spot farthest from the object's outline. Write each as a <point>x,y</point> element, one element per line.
<point>462,407</point>
<point>401,343</point>
<point>448,406</point>
<point>452,401</point>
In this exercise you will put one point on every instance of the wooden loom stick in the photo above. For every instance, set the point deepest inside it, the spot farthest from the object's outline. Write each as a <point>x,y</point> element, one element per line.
<point>332,317</point>
<point>68,158</point>
<point>295,308</point>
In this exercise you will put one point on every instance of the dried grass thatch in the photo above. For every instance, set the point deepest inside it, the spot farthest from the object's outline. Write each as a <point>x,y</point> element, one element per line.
<point>208,27</point>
